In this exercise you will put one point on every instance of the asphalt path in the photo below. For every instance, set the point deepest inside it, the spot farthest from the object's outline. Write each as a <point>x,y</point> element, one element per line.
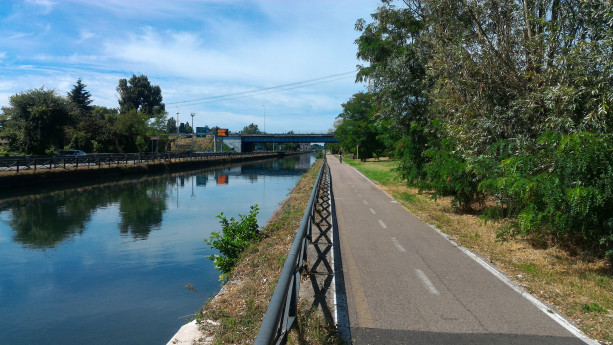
<point>408,284</point>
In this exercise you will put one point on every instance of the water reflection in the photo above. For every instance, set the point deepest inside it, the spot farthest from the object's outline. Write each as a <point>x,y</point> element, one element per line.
<point>108,263</point>
<point>44,221</point>
<point>141,206</point>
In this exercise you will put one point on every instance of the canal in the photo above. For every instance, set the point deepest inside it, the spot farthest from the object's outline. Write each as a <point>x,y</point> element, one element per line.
<point>108,264</point>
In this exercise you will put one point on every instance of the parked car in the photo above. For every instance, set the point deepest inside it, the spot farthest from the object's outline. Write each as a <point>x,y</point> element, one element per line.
<point>72,153</point>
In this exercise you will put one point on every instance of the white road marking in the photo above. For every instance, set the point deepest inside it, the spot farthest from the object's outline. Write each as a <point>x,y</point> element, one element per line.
<point>393,201</point>
<point>372,211</point>
<point>366,178</point>
<point>536,302</point>
<point>427,283</point>
<point>398,245</point>
<point>382,224</point>
<point>365,202</point>
<point>359,195</point>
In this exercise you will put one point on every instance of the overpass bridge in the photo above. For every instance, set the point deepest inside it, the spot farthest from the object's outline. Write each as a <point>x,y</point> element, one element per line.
<point>246,142</point>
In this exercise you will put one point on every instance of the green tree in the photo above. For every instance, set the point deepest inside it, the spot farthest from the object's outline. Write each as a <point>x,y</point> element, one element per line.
<point>251,129</point>
<point>188,128</point>
<point>131,132</point>
<point>138,94</point>
<point>171,125</point>
<point>357,131</point>
<point>35,120</point>
<point>80,97</point>
<point>397,56</point>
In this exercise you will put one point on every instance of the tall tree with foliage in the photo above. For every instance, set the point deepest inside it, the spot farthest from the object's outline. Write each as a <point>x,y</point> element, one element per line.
<point>80,97</point>
<point>138,94</point>
<point>508,100</point>
<point>35,120</point>
<point>171,126</point>
<point>251,129</point>
<point>397,57</point>
<point>131,132</point>
<point>358,132</point>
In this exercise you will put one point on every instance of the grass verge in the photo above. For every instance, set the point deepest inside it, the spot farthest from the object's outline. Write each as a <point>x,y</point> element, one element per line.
<point>240,306</point>
<point>576,284</point>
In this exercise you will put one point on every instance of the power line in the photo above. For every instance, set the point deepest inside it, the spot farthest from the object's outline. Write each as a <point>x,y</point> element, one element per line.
<point>237,96</point>
<point>284,87</point>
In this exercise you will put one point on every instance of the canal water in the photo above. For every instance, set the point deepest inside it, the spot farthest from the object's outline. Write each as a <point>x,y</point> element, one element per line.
<point>108,264</point>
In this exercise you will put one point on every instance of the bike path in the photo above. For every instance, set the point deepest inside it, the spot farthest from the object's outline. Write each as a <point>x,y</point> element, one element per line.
<point>407,284</point>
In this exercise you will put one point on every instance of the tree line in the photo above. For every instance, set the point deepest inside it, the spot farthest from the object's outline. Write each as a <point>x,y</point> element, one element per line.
<point>41,121</point>
<point>505,101</point>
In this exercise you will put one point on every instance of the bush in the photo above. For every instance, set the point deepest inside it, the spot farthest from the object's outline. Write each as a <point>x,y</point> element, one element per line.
<point>565,188</point>
<point>448,173</point>
<point>235,237</point>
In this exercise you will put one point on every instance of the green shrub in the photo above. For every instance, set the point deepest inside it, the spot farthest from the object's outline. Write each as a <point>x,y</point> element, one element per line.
<point>448,173</point>
<point>565,188</point>
<point>234,238</point>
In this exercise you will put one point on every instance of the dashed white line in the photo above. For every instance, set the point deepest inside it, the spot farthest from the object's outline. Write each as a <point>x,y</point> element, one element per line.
<point>536,302</point>
<point>372,211</point>
<point>382,224</point>
<point>398,245</point>
<point>365,202</point>
<point>427,283</point>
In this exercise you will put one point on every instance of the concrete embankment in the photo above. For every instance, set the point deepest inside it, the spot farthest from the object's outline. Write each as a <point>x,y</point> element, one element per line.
<point>59,176</point>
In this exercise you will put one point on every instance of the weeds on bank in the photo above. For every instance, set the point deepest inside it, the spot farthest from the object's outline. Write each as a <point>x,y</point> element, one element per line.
<point>577,284</point>
<point>311,327</point>
<point>234,238</point>
<point>240,306</point>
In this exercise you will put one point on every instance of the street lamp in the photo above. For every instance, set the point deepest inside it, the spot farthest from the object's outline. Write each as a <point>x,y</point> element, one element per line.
<point>192,115</point>
<point>264,118</point>
<point>177,140</point>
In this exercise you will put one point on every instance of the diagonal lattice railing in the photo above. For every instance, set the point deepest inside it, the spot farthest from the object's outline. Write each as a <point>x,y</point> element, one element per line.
<point>281,312</point>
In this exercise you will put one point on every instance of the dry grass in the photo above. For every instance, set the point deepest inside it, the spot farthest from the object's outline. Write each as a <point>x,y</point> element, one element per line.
<point>200,144</point>
<point>578,285</point>
<point>240,306</point>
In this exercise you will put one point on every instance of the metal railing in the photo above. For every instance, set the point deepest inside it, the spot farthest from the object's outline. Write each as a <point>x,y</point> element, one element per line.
<point>281,312</point>
<point>17,163</point>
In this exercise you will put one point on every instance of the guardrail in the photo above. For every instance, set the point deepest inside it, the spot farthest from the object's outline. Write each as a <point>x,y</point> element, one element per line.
<point>281,312</point>
<point>16,163</point>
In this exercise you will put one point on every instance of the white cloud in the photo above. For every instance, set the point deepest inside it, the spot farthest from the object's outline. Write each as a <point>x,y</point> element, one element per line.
<point>47,5</point>
<point>85,34</point>
<point>226,47</point>
<point>6,85</point>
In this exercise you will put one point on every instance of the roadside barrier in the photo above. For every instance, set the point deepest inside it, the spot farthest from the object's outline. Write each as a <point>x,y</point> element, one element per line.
<point>281,312</point>
<point>17,163</point>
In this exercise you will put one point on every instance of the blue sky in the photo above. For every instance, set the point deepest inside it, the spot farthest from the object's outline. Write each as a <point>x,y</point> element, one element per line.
<point>193,50</point>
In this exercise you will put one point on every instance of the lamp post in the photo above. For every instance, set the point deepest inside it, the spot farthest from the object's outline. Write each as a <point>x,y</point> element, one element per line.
<point>177,140</point>
<point>264,118</point>
<point>192,115</point>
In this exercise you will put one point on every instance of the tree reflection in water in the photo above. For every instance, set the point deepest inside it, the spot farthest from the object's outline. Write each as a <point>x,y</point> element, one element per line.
<point>142,206</point>
<point>44,221</point>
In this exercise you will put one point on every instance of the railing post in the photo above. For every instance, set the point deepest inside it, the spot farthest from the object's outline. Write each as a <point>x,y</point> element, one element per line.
<point>283,307</point>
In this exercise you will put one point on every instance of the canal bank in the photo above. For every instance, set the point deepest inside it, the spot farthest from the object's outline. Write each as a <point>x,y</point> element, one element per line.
<point>88,174</point>
<point>234,315</point>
